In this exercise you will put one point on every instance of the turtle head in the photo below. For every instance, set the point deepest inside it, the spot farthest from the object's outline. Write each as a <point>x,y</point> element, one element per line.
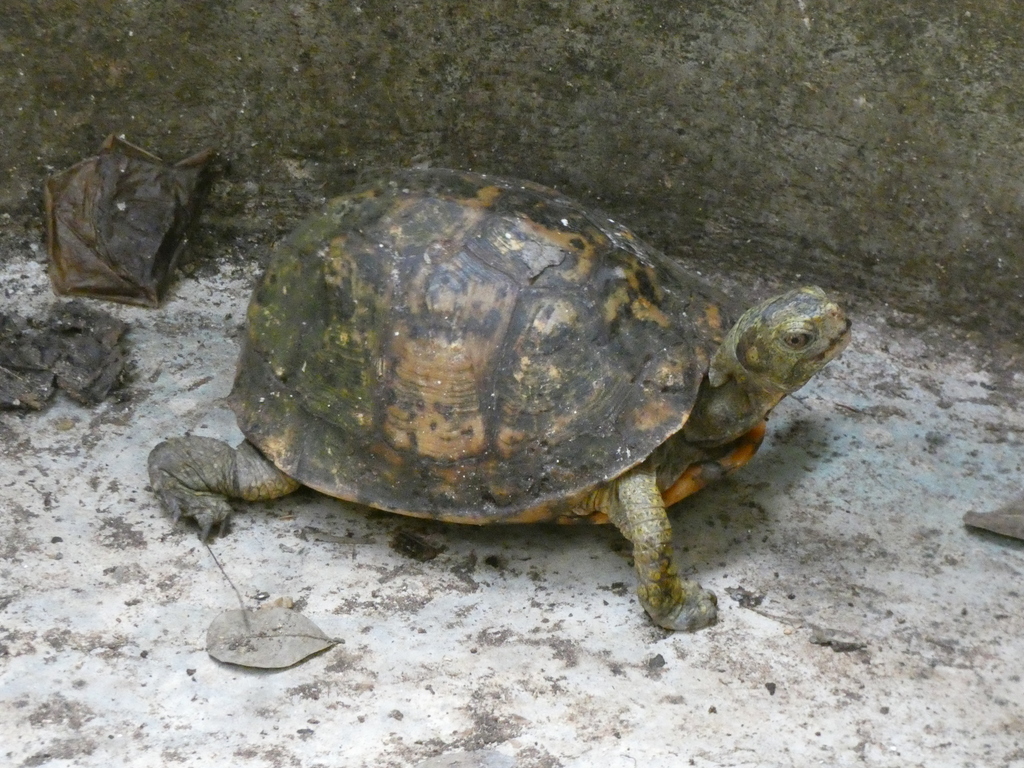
<point>779,344</point>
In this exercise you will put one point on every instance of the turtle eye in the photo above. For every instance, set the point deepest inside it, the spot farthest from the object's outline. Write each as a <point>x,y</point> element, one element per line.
<point>797,340</point>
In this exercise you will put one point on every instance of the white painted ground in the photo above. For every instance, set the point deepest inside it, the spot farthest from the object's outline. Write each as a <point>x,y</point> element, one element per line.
<point>523,641</point>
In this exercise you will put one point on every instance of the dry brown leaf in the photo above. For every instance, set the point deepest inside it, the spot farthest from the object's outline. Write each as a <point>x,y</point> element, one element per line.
<point>272,638</point>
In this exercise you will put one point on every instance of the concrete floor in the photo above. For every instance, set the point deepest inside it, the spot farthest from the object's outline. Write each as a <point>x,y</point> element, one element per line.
<point>524,642</point>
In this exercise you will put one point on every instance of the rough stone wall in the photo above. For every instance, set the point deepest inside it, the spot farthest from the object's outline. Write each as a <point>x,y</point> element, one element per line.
<point>869,145</point>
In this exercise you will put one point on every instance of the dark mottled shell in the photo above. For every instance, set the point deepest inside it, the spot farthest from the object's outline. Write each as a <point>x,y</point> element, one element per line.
<point>468,348</point>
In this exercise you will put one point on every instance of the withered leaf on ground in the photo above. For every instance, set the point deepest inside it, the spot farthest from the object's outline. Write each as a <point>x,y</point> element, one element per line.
<point>271,638</point>
<point>26,381</point>
<point>116,223</point>
<point>1006,521</point>
<point>79,349</point>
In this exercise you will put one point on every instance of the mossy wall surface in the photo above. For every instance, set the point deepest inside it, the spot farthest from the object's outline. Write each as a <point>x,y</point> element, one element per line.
<point>872,146</point>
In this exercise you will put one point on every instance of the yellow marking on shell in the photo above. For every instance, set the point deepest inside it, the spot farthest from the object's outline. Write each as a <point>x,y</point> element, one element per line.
<point>538,376</point>
<point>391,462</point>
<point>508,440</point>
<point>713,317</point>
<point>437,403</point>
<point>501,490</point>
<point>615,301</point>
<point>645,310</point>
<point>561,314</point>
<point>450,476</point>
<point>485,196</point>
<point>401,439</point>
<point>654,414</point>
<point>628,293</point>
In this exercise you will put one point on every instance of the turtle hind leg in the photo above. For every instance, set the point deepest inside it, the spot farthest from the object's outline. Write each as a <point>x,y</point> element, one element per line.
<point>638,510</point>
<point>195,476</point>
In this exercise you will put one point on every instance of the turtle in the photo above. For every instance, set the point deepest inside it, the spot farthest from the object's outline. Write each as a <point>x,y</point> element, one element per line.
<point>475,349</point>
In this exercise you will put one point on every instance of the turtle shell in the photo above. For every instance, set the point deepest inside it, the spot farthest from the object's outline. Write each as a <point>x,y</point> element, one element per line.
<point>468,348</point>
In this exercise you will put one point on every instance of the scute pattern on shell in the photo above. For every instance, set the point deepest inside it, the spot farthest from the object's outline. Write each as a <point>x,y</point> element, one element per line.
<point>468,348</point>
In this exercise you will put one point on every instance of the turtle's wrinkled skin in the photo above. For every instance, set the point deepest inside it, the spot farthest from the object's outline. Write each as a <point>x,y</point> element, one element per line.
<point>481,350</point>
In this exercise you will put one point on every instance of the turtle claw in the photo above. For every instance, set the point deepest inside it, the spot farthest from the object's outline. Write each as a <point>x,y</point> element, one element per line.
<point>209,513</point>
<point>190,476</point>
<point>207,523</point>
<point>695,608</point>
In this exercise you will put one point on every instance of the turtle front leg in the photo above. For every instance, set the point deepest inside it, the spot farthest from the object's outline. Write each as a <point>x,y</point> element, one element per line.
<point>194,476</point>
<point>636,507</point>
